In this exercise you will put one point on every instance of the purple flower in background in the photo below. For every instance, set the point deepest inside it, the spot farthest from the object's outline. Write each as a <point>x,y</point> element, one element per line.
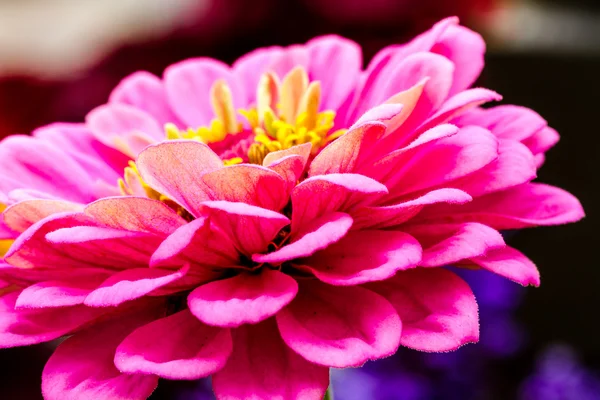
<point>560,375</point>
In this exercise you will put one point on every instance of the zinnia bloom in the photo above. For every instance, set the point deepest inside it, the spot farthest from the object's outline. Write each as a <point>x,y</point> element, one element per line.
<point>263,246</point>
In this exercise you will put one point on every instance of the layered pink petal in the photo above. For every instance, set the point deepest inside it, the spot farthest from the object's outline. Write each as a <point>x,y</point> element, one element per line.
<point>447,244</point>
<point>289,163</point>
<point>465,49</point>
<point>175,169</point>
<point>146,92</point>
<point>388,216</point>
<point>323,194</point>
<point>339,326</point>
<point>137,214</point>
<point>22,215</point>
<point>206,248</point>
<point>460,103</point>
<point>514,166</point>
<point>531,204</point>
<point>124,127</point>
<point>511,264</point>
<point>505,121</point>
<point>542,140</point>
<point>262,366</point>
<point>175,347</point>
<point>188,84</point>
<point>101,162</point>
<point>112,248</point>
<point>385,167</point>
<point>349,151</point>
<point>247,183</point>
<point>437,308</point>
<point>312,237</point>
<point>410,71</point>
<point>251,66</point>
<point>336,63</point>
<point>82,366</point>
<point>251,228</point>
<point>31,248</point>
<point>131,284</point>
<point>245,298</point>
<point>45,168</point>
<point>364,256</point>
<point>61,293</point>
<point>22,327</point>
<point>441,161</point>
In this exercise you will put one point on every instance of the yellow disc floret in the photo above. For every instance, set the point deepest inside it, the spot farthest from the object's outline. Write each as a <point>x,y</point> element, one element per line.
<point>297,119</point>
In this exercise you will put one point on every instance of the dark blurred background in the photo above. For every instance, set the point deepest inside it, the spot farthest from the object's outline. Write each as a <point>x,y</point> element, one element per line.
<point>60,58</point>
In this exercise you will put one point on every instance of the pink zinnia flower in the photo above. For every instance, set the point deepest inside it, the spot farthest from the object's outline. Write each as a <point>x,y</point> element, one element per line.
<point>263,247</point>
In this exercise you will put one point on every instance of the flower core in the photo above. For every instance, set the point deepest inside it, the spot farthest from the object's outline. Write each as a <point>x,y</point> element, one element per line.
<point>286,114</point>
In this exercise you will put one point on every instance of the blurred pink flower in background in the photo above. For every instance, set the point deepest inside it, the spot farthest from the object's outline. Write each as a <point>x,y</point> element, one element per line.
<point>263,247</point>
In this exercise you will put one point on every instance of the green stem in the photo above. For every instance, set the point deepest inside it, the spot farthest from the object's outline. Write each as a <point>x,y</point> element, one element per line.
<point>328,394</point>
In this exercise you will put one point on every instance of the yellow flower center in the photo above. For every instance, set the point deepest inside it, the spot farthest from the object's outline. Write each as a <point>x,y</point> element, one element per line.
<point>285,114</point>
<point>4,243</point>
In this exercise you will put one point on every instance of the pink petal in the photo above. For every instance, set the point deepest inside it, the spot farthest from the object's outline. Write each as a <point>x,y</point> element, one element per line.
<point>531,204</point>
<point>199,243</point>
<point>506,121</point>
<point>301,150</point>
<point>37,165</point>
<point>261,366</point>
<point>437,308</point>
<point>447,244</point>
<point>175,347</point>
<point>542,141</point>
<point>82,366</point>
<point>409,72</point>
<point>22,215</point>
<point>249,68</point>
<point>422,43</point>
<point>131,284</point>
<point>323,194</point>
<point>385,165</point>
<point>251,228</point>
<point>339,326</point>
<point>188,85</point>
<point>113,124</point>
<point>61,293</point>
<point>385,113</point>
<point>175,169</point>
<point>364,256</point>
<point>31,249</point>
<point>246,183</point>
<point>514,166</point>
<point>29,276</point>
<point>388,216</point>
<point>146,92</point>
<point>289,163</point>
<point>292,56</point>
<point>315,236</point>
<point>335,62</point>
<point>347,153</point>
<point>31,326</point>
<point>460,103</point>
<point>104,247</point>
<point>443,160</point>
<point>511,264</point>
<point>101,162</point>
<point>244,298</point>
<point>138,214</point>
<point>465,49</point>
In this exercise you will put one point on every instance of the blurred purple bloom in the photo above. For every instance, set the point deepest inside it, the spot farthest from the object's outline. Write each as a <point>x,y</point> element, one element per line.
<point>559,375</point>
